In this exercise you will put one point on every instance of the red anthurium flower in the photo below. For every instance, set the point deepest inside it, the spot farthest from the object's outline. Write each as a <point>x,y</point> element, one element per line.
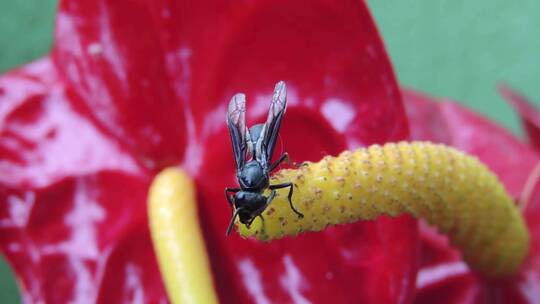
<point>442,277</point>
<point>530,116</point>
<point>132,87</point>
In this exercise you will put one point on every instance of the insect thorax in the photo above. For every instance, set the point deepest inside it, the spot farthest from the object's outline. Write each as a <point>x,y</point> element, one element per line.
<point>253,177</point>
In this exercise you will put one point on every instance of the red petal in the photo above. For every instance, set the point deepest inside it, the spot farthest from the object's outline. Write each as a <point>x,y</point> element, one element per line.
<point>363,262</point>
<point>450,123</point>
<point>529,114</point>
<point>324,51</point>
<point>138,70</point>
<point>130,274</point>
<point>442,276</point>
<point>110,54</point>
<point>67,241</point>
<point>64,205</point>
<point>148,78</point>
<point>43,137</point>
<point>332,59</point>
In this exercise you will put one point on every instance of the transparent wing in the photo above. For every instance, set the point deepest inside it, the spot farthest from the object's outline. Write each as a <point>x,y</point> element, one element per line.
<point>271,127</point>
<point>236,121</point>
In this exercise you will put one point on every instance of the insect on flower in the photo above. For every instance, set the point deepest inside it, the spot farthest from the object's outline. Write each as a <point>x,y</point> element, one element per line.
<point>253,151</point>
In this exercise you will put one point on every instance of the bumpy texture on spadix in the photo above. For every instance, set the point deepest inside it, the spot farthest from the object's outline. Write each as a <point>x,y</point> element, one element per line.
<point>451,190</point>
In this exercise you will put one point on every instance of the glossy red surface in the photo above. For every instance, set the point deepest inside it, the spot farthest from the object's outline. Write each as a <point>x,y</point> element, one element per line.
<point>442,277</point>
<point>529,114</point>
<point>134,86</point>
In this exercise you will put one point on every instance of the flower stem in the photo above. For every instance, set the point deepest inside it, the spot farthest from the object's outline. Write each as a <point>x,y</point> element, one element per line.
<point>178,240</point>
<point>451,190</point>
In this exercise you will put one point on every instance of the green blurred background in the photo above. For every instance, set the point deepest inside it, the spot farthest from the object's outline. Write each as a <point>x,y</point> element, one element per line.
<point>447,48</point>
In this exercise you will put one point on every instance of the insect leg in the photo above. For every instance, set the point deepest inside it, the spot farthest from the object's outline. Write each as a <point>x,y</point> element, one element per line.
<point>290,185</point>
<point>231,224</point>
<point>251,221</point>
<point>232,190</point>
<point>282,158</point>
<point>262,218</point>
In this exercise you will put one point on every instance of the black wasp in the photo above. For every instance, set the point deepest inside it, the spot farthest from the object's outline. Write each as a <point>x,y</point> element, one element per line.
<point>253,150</point>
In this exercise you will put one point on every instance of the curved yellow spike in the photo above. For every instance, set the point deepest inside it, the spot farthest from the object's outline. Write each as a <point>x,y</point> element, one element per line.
<point>451,190</point>
<point>178,240</point>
